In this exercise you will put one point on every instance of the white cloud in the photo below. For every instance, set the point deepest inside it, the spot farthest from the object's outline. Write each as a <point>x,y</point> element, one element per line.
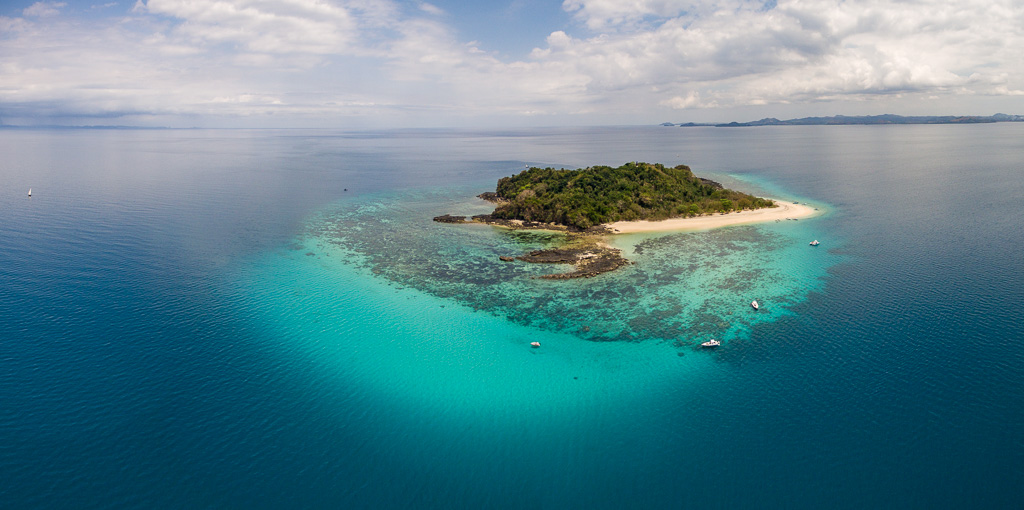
<point>431,9</point>
<point>637,59</point>
<point>283,26</point>
<point>738,53</point>
<point>616,14</point>
<point>692,100</point>
<point>43,9</point>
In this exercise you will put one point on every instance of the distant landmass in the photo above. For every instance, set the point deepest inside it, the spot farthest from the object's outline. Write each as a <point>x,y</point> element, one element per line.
<point>843,120</point>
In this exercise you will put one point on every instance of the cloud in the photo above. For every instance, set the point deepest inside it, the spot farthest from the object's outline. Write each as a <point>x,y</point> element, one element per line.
<point>323,59</point>
<point>294,26</point>
<point>740,53</point>
<point>692,100</point>
<point>177,58</point>
<point>431,9</point>
<point>43,9</point>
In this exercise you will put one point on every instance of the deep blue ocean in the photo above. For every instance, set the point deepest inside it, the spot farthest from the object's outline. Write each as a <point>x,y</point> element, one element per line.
<point>270,319</point>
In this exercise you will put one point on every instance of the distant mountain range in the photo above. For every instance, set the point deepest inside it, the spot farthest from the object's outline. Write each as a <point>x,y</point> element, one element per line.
<point>842,120</point>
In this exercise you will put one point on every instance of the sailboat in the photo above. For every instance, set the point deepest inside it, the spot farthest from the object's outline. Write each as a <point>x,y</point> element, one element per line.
<point>754,304</point>
<point>30,192</point>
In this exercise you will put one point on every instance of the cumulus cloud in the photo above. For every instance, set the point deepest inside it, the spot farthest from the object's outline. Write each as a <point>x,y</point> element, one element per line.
<point>639,59</point>
<point>308,59</point>
<point>740,53</point>
<point>604,14</point>
<point>293,26</point>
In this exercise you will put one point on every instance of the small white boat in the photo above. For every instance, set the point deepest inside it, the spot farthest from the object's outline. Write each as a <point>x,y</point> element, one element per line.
<point>815,242</point>
<point>535,344</point>
<point>30,192</point>
<point>711,343</point>
<point>755,305</point>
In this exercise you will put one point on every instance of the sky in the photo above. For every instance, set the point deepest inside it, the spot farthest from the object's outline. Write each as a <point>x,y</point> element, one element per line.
<point>465,63</point>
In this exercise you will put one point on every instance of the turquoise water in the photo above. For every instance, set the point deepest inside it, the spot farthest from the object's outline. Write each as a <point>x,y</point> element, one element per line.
<point>270,319</point>
<point>682,288</point>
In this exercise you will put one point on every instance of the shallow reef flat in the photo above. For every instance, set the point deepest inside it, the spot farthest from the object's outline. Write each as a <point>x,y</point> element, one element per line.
<point>678,287</point>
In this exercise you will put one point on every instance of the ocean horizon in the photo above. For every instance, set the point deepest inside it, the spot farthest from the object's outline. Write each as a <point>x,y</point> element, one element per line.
<point>269,318</point>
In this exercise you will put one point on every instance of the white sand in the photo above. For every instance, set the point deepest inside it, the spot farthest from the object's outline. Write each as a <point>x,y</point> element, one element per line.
<point>784,211</point>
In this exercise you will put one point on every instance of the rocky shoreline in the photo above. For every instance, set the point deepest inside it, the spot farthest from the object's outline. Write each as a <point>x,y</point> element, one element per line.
<point>492,197</point>
<point>488,219</point>
<point>584,249</point>
<point>590,259</point>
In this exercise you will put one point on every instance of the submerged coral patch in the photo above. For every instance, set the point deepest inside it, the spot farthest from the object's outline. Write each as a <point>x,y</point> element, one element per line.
<point>681,288</point>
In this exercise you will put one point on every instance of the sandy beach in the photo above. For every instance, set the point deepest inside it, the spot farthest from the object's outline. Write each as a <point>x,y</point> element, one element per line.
<point>784,211</point>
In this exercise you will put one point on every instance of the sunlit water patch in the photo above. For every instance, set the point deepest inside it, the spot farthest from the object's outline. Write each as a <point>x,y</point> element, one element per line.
<point>683,288</point>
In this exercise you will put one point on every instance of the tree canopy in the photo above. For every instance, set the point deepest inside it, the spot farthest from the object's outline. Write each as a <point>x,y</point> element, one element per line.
<point>586,197</point>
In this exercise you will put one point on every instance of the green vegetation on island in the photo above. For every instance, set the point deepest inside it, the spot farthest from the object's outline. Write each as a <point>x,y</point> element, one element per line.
<point>591,196</point>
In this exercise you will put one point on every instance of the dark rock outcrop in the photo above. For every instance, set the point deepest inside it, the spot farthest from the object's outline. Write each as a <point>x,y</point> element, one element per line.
<point>448,218</point>
<point>492,197</point>
<point>583,251</point>
<point>711,183</point>
<point>590,260</point>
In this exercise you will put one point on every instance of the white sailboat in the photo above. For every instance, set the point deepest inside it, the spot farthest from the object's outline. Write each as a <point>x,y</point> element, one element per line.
<point>755,305</point>
<point>30,192</point>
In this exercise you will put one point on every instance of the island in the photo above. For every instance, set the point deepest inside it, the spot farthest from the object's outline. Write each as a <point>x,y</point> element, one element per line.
<point>870,120</point>
<point>590,203</point>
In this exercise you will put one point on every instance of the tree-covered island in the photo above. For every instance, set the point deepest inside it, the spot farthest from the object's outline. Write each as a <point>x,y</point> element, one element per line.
<point>587,197</point>
<point>580,201</point>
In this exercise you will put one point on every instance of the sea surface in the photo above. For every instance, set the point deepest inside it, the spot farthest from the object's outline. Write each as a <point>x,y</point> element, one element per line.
<point>270,319</point>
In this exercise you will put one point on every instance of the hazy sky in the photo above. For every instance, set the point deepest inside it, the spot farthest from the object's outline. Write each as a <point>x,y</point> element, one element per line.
<point>383,63</point>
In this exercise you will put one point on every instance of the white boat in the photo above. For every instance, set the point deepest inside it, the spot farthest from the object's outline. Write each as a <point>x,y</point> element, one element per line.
<point>711,343</point>
<point>535,344</point>
<point>30,192</point>
<point>754,304</point>
<point>815,242</point>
